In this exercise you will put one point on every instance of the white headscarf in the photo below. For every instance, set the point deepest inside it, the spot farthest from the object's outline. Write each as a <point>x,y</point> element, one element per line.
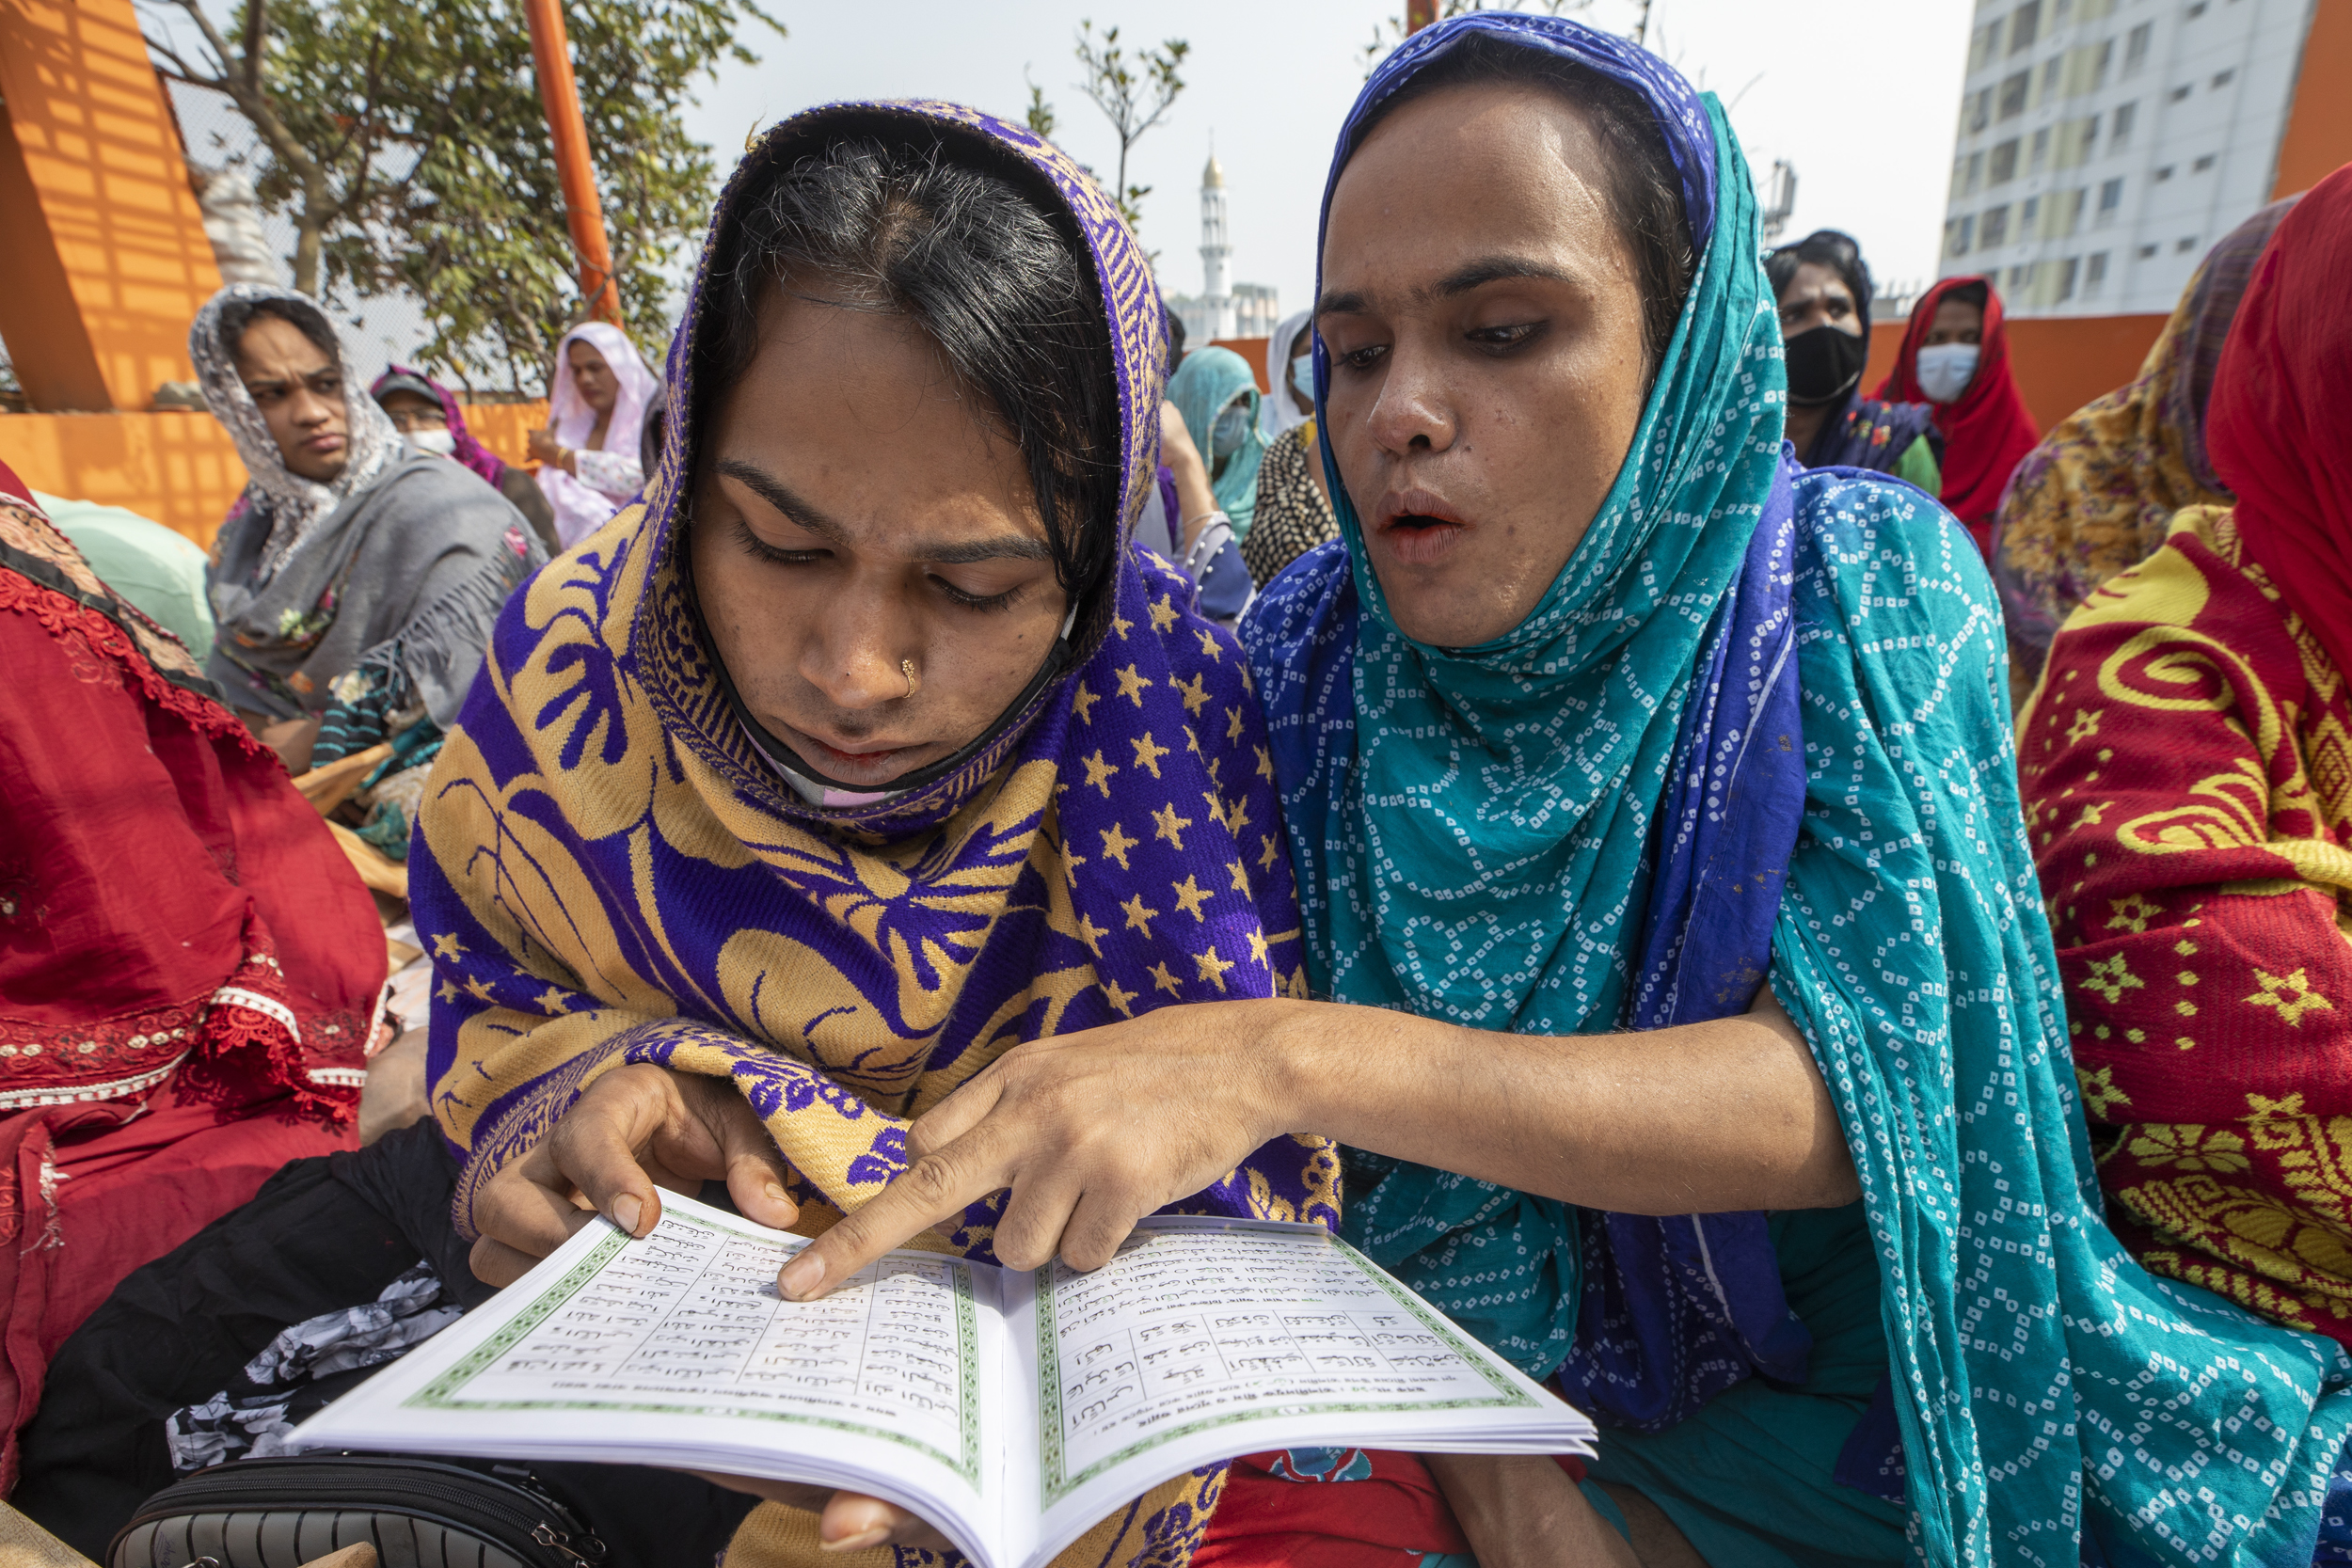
<point>580,509</point>
<point>1277,413</point>
<point>292,506</point>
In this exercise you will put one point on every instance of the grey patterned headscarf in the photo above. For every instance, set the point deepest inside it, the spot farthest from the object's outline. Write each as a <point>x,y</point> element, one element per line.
<point>290,506</point>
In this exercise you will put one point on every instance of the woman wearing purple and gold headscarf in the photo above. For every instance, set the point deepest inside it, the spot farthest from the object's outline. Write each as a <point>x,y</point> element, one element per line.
<point>863,750</point>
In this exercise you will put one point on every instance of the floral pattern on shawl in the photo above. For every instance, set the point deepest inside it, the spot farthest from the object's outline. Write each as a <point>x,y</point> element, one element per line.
<point>608,871</point>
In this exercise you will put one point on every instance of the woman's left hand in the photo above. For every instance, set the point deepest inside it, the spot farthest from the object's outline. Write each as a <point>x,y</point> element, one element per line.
<point>1091,1132</point>
<point>545,447</point>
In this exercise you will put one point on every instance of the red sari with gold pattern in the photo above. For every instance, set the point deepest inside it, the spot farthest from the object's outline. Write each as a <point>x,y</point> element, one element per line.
<point>2188,772</point>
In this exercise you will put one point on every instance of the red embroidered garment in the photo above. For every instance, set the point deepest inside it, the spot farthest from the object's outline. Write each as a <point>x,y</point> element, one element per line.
<point>1987,429</point>
<point>190,968</point>
<point>2187,771</point>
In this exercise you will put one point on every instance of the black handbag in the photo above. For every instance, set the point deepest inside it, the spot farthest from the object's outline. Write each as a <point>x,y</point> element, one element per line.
<point>416,1512</point>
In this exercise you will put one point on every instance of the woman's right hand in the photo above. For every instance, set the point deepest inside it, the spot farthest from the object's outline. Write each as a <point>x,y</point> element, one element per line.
<point>637,1129</point>
<point>545,447</point>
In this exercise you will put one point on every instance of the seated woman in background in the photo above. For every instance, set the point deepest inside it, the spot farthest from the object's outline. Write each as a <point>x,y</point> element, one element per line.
<point>1822,1255</point>
<point>591,453</point>
<point>1954,355</point>
<point>2101,490</point>
<point>423,411</point>
<point>1293,512</point>
<point>2187,766</point>
<point>355,581</point>
<point>1822,287</point>
<point>866,748</point>
<point>189,969</point>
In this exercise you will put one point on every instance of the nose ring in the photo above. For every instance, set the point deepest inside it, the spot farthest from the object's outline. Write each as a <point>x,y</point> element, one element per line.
<point>906,668</point>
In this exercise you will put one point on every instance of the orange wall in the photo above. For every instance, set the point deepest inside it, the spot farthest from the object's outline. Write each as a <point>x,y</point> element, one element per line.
<point>106,259</point>
<point>2318,135</point>
<point>1251,349</point>
<point>179,467</point>
<point>2060,362</point>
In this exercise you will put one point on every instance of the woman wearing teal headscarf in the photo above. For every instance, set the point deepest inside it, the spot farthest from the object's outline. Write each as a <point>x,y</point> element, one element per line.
<point>1216,392</point>
<point>1694,1015</point>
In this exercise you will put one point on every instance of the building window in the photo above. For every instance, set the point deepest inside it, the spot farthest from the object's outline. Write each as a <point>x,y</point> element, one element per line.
<point>2090,138</point>
<point>2060,14</point>
<point>2005,162</point>
<point>2075,205</point>
<point>1986,44</point>
<point>2041,149</point>
<point>2067,270</point>
<point>2021,277</point>
<point>2110,198</point>
<point>2099,72</point>
<point>2185,243</point>
<point>2050,76</point>
<point>2094,272</point>
<point>2197,10</point>
<point>1976,172</point>
<point>2136,47</point>
<point>2024,24</point>
<point>2027,215</point>
<point>2177,93</point>
<point>1977,108</point>
<point>2146,251</point>
<point>1958,234</point>
<point>1993,228</point>
<point>2223,78</point>
<point>2013,89</point>
<point>2126,114</point>
<point>2204,162</point>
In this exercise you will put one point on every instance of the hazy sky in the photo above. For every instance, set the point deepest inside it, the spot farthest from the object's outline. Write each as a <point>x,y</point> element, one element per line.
<point>1862,100</point>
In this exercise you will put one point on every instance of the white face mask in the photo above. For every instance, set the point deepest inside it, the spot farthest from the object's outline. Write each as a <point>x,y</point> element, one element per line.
<point>1946,368</point>
<point>441,443</point>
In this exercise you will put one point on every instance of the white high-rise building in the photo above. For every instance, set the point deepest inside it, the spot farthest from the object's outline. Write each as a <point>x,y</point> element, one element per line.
<point>1223,308</point>
<point>2104,144</point>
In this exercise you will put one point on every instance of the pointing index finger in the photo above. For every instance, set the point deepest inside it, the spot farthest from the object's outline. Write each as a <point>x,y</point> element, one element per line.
<point>927,1191</point>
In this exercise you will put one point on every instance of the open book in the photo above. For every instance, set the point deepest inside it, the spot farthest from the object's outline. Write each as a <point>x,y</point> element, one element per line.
<point>1012,1410</point>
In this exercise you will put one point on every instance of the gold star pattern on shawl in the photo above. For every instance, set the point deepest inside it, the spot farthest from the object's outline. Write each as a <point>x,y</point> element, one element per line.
<point>1208,643</point>
<point>1211,967</point>
<point>1139,915</point>
<point>1237,817</point>
<point>1100,773</point>
<point>551,1002</point>
<point>1191,895</point>
<point>1133,687</point>
<point>447,991</point>
<point>1084,700</point>
<point>1267,855</point>
<point>1165,613</point>
<point>1148,755</point>
<point>1241,877</point>
<point>1258,949</point>
<point>1163,980</point>
<point>480,991</point>
<point>1091,934</point>
<point>1194,692</point>
<point>446,945</point>
<point>1120,998</point>
<point>1232,723</point>
<point>1265,763</point>
<point>1116,843</point>
<point>1171,826</point>
<point>1121,625</point>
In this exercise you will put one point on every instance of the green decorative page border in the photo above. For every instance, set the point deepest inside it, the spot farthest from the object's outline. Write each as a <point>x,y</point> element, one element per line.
<point>1056,1486</point>
<point>444,1392</point>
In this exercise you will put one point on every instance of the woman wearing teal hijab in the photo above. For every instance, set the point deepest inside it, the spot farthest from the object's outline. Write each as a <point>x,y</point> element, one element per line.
<point>1216,392</point>
<point>1691,1011</point>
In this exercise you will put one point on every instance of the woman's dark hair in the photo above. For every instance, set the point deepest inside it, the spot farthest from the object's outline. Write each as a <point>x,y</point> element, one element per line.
<point>1826,247</point>
<point>997,275</point>
<point>1642,186</point>
<point>238,315</point>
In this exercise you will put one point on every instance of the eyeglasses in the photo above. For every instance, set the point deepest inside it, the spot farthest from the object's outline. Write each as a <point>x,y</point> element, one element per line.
<point>410,419</point>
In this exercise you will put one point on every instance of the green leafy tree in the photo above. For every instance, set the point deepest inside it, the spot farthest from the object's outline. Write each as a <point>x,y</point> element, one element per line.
<point>1132,97</point>
<point>408,147</point>
<point>1041,119</point>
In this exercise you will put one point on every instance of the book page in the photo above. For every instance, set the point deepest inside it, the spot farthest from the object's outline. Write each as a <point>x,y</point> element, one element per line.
<point>1201,1326</point>
<point>675,1349</point>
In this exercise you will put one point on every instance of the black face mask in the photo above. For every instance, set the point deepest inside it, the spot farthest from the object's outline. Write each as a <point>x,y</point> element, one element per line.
<point>1824,364</point>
